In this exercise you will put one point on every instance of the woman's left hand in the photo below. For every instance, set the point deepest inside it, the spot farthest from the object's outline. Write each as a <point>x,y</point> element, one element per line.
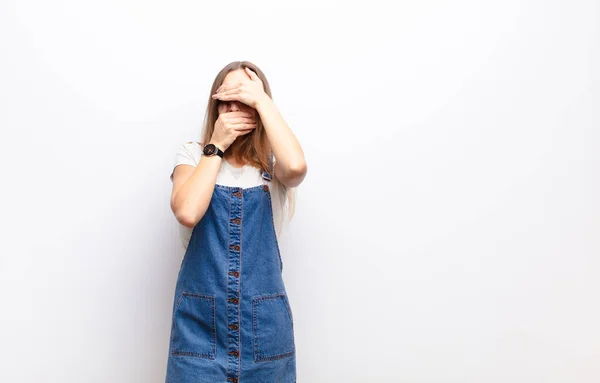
<point>249,91</point>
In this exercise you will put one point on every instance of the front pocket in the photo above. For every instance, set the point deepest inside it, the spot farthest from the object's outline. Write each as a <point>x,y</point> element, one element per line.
<point>273,327</point>
<point>194,328</point>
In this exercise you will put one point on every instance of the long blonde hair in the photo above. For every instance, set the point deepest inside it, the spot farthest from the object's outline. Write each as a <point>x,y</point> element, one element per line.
<point>254,147</point>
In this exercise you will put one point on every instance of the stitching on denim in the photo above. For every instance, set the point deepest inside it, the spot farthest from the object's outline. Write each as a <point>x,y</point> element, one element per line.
<point>240,286</point>
<point>252,189</point>
<point>255,301</point>
<point>274,232</point>
<point>173,320</point>
<point>185,254</point>
<point>266,176</point>
<point>229,227</point>
<point>289,309</point>
<point>212,301</point>
<point>254,329</point>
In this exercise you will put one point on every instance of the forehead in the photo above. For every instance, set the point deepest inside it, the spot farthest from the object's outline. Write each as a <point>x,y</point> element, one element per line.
<point>235,76</point>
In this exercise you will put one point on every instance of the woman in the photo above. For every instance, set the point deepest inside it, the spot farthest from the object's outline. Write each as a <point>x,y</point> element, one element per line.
<point>232,320</point>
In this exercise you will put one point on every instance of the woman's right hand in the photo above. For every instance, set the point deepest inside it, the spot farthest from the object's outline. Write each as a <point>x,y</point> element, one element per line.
<point>231,125</point>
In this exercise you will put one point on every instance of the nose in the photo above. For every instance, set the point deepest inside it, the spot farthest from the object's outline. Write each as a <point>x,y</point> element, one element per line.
<point>234,107</point>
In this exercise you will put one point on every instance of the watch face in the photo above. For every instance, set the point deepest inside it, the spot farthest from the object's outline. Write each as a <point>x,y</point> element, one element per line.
<point>210,149</point>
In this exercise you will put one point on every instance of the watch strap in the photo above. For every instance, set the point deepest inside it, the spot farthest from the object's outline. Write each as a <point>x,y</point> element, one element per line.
<point>217,150</point>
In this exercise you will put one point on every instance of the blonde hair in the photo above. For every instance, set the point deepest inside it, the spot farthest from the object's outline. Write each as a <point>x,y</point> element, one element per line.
<point>253,148</point>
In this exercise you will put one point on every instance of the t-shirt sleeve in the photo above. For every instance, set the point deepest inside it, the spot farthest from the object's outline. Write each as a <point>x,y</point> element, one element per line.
<point>187,154</point>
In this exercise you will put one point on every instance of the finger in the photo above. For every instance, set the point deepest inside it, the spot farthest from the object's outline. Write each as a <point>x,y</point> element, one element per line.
<point>229,86</point>
<point>224,97</point>
<point>222,93</point>
<point>226,93</point>
<point>239,127</point>
<point>242,120</point>
<point>223,87</point>
<point>243,132</point>
<point>252,75</point>
<point>240,113</point>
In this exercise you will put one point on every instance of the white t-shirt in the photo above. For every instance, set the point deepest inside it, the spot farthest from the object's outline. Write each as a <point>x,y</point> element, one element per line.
<point>244,177</point>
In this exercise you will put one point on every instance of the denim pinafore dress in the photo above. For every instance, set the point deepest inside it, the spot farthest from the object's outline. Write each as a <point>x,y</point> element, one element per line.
<point>232,321</point>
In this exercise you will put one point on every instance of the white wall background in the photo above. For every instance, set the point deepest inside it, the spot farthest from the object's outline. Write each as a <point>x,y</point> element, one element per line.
<point>447,230</point>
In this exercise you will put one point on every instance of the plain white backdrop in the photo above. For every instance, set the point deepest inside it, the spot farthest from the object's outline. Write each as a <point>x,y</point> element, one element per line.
<point>447,229</point>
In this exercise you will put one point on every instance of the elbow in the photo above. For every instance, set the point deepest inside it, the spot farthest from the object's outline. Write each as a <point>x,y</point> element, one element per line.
<point>187,220</point>
<point>295,174</point>
<point>186,214</point>
<point>186,217</point>
<point>298,169</point>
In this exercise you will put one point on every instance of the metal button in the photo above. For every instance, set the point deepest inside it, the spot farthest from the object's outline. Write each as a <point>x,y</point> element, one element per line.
<point>234,300</point>
<point>237,221</point>
<point>238,194</point>
<point>234,353</point>
<point>233,380</point>
<point>233,326</point>
<point>265,187</point>
<point>235,247</point>
<point>234,273</point>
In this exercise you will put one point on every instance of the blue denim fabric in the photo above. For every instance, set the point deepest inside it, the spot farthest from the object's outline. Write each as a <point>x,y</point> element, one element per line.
<point>232,321</point>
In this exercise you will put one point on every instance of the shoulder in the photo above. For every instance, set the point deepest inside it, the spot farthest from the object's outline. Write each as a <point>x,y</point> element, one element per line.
<point>189,153</point>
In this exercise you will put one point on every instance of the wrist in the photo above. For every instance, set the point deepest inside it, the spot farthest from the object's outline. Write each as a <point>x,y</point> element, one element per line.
<point>218,144</point>
<point>262,101</point>
<point>213,149</point>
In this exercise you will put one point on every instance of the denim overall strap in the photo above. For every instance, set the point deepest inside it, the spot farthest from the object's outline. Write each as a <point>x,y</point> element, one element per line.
<point>271,165</point>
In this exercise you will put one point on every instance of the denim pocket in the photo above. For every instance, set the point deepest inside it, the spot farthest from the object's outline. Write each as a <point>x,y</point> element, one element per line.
<point>193,331</point>
<point>273,327</point>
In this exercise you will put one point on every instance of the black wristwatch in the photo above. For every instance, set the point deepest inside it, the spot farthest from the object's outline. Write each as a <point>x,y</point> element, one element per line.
<point>211,150</point>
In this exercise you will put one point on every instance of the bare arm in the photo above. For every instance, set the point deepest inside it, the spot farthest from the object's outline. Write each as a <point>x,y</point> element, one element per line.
<point>193,188</point>
<point>290,168</point>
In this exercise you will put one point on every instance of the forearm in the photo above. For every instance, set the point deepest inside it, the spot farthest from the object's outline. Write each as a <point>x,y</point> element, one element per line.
<point>285,146</point>
<point>193,197</point>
